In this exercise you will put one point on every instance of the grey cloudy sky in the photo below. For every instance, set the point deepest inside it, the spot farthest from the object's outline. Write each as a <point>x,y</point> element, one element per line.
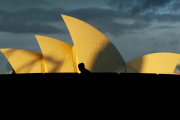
<point>135,27</point>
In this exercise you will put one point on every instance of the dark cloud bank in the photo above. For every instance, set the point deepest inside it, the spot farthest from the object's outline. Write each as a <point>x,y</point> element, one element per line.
<point>36,19</point>
<point>140,6</point>
<point>33,20</point>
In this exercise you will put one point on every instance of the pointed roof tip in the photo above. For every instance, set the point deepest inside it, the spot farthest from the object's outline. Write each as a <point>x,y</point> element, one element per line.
<point>62,15</point>
<point>38,35</point>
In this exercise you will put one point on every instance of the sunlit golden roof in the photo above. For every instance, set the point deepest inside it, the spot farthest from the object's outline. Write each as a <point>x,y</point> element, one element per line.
<point>91,47</point>
<point>57,54</point>
<point>162,62</point>
<point>24,61</point>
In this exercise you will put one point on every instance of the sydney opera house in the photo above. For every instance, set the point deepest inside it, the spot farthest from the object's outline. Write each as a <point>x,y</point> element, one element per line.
<point>92,48</point>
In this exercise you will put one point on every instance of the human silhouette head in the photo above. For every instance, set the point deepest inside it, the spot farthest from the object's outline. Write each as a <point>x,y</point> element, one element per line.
<point>81,66</point>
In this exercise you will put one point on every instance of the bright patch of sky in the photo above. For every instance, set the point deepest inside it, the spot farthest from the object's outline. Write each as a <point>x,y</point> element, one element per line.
<point>155,24</point>
<point>124,21</point>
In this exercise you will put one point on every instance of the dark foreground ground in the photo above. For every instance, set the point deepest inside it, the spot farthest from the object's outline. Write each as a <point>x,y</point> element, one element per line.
<point>90,94</point>
<point>111,81</point>
<point>127,89</point>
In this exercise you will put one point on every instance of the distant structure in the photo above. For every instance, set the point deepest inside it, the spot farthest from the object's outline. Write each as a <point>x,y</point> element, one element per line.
<point>91,47</point>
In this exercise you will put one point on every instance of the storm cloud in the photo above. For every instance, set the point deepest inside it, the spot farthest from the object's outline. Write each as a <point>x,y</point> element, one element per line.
<point>15,5</point>
<point>30,21</point>
<point>38,20</point>
<point>139,6</point>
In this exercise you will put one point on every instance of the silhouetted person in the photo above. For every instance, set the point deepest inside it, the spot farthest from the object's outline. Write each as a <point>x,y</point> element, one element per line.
<point>83,69</point>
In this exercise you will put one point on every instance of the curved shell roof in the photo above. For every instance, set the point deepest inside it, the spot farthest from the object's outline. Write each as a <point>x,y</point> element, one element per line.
<point>24,61</point>
<point>93,48</point>
<point>57,54</point>
<point>162,62</point>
